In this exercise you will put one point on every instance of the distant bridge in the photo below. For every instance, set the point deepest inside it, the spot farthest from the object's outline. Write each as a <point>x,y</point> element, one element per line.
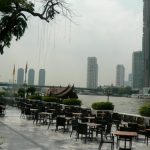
<point>77,89</point>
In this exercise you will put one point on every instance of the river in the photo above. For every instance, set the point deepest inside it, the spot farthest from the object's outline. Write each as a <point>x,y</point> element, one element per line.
<point>122,104</point>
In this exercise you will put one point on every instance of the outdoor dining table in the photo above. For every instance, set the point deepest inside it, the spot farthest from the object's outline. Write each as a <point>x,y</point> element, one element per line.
<point>52,110</point>
<point>77,114</point>
<point>125,135</point>
<point>89,118</point>
<point>92,127</point>
<point>44,116</point>
<point>33,109</point>
<point>147,129</point>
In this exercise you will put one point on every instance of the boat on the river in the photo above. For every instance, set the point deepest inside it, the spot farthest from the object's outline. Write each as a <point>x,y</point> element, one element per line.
<point>141,96</point>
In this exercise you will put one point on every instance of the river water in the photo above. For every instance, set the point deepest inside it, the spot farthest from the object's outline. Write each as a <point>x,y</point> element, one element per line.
<point>122,104</point>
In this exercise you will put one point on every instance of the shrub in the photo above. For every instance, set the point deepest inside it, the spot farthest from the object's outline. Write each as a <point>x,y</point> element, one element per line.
<point>103,106</point>
<point>72,102</point>
<point>145,110</point>
<point>51,99</point>
<point>36,97</point>
<point>2,94</point>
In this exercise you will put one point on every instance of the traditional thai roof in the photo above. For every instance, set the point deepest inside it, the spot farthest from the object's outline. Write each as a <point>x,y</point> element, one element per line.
<point>62,92</point>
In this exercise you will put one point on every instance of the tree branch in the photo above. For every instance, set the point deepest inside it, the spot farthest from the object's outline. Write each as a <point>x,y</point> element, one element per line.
<point>34,14</point>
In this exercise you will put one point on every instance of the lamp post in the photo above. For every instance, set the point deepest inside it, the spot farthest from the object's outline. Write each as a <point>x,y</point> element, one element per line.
<point>108,94</point>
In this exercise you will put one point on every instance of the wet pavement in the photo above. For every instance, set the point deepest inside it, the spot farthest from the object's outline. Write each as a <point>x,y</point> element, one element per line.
<point>21,134</point>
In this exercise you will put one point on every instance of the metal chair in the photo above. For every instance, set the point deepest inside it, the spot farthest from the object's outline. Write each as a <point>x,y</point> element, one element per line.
<point>106,140</point>
<point>147,135</point>
<point>82,129</point>
<point>74,126</point>
<point>60,121</point>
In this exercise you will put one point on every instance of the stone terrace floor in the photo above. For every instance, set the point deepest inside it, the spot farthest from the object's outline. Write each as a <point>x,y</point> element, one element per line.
<point>21,134</point>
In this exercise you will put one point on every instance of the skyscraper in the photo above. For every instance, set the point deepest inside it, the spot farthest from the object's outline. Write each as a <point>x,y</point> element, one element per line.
<point>146,42</point>
<point>31,74</point>
<point>41,77</point>
<point>137,69</point>
<point>120,75</point>
<point>20,76</point>
<point>92,73</point>
<point>130,79</point>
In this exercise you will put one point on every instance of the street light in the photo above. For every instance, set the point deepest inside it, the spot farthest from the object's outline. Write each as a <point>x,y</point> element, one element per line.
<point>108,94</point>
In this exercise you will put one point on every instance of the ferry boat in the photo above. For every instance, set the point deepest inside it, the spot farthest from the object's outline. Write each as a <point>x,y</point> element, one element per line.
<point>135,95</point>
<point>146,96</point>
<point>141,96</point>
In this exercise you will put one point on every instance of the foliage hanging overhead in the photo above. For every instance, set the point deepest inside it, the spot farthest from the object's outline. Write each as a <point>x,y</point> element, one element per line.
<point>13,16</point>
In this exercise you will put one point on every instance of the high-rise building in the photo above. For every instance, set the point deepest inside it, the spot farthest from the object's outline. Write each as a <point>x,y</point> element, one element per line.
<point>20,76</point>
<point>31,75</point>
<point>146,42</point>
<point>41,77</point>
<point>120,75</point>
<point>129,81</point>
<point>92,73</point>
<point>137,69</point>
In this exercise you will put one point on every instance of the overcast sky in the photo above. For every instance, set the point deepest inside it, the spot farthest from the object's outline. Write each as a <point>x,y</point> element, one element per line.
<point>107,29</point>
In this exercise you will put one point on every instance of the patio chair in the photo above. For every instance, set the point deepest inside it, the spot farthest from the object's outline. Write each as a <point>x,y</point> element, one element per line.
<point>147,135</point>
<point>51,119</point>
<point>27,113</point>
<point>108,130</point>
<point>106,140</point>
<point>1,111</point>
<point>74,126</point>
<point>82,129</point>
<point>102,127</point>
<point>60,121</point>
<point>116,119</point>
<point>133,127</point>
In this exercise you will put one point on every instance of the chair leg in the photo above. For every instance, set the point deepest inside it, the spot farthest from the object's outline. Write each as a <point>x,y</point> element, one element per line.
<point>49,125</point>
<point>117,144</point>
<point>112,146</point>
<point>77,136</point>
<point>56,128</point>
<point>85,138</point>
<point>71,133</point>
<point>100,145</point>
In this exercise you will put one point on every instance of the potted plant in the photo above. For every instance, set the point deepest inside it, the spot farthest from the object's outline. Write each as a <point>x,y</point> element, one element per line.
<point>145,110</point>
<point>102,106</point>
<point>51,99</point>
<point>72,101</point>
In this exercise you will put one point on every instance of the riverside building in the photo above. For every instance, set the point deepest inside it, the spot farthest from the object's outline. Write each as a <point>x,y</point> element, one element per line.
<point>31,76</point>
<point>137,69</point>
<point>41,81</point>
<point>146,42</point>
<point>20,77</point>
<point>92,73</point>
<point>120,75</point>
